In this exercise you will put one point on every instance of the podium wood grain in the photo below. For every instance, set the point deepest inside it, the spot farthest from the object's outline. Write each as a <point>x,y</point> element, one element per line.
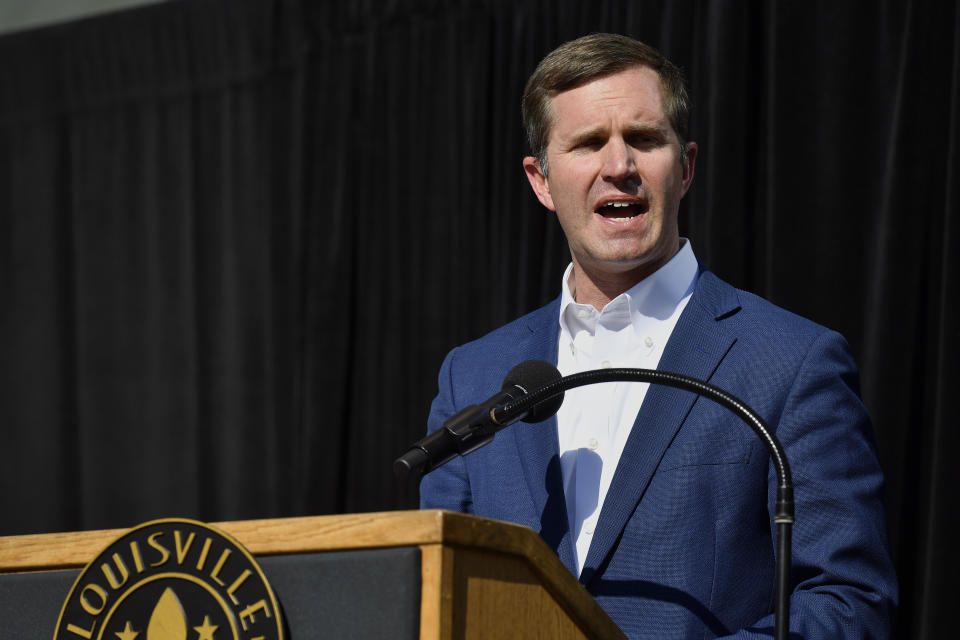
<point>480,578</point>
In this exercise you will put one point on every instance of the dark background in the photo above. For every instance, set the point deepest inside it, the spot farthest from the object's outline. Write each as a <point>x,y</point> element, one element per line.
<point>237,238</point>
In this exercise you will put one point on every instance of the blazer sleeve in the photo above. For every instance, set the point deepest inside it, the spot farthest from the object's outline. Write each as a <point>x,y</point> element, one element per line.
<point>844,585</point>
<point>447,487</point>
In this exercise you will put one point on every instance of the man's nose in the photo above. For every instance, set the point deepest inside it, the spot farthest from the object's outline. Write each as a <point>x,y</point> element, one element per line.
<point>618,163</point>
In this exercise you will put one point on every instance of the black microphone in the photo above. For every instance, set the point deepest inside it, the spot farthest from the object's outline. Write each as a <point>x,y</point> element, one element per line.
<point>476,424</point>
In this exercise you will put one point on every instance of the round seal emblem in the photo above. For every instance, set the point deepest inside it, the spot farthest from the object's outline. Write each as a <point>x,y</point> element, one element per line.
<point>171,579</point>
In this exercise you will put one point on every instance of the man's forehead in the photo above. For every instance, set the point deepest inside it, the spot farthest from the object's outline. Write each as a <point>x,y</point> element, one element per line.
<point>635,93</point>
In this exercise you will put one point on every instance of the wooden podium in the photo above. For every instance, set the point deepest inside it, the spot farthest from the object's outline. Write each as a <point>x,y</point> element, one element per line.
<point>477,578</point>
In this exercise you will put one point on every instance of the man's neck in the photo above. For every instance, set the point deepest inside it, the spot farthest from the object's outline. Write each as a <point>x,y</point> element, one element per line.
<point>586,290</point>
<point>598,288</point>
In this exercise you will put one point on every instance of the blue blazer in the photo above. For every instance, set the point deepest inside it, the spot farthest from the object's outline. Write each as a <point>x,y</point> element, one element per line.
<point>684,546</point>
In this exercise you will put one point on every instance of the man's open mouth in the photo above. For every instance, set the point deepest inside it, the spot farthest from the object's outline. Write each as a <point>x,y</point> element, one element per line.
<point>622,211</point>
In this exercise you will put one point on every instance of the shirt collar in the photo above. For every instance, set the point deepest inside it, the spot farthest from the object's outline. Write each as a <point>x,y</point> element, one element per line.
<point>653,298</point>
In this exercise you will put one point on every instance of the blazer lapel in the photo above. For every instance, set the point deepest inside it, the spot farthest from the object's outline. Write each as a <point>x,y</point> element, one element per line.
<point>696,348</point>
<point>538,448</point>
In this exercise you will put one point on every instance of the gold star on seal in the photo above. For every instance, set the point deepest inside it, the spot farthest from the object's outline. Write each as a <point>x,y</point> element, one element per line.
<point>127,633</point>
<point>206,629</point>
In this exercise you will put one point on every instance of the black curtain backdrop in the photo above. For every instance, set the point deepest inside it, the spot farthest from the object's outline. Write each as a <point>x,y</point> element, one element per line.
<point>237,238</point>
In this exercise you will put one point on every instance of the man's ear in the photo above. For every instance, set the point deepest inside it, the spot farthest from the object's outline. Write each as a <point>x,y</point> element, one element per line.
<point>689,160</point>
<point>538,182</point>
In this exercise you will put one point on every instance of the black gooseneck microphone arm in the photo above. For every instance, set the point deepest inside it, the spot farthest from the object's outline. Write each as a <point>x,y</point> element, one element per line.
<point>783,506</point>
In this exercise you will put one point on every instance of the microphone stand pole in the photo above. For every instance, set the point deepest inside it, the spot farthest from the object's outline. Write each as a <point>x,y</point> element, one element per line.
<point>783,506</point>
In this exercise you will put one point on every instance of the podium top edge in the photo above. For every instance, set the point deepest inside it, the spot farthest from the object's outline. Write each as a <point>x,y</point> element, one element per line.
<point>275,536</point>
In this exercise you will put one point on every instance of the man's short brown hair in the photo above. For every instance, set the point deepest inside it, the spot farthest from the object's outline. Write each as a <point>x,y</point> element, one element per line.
<point>585,59</point>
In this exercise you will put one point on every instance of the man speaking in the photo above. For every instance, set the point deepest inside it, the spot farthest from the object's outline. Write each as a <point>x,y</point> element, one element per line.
<point>659,501</point>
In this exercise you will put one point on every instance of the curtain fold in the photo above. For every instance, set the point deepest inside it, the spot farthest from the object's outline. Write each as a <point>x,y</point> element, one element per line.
<point>237,238</point>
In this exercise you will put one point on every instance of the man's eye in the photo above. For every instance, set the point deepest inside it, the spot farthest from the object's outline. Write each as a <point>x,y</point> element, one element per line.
<point>644,142</point>
<point>591,144</point>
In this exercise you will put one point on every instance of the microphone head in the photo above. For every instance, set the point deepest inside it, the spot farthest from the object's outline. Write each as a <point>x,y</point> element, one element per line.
<point>531,375</point>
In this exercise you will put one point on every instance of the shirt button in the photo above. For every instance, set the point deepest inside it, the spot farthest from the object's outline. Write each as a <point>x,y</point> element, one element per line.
<point>573,349</point>
<point>588,531</point>
<point>593,443</point>
<point>648,341</point>
<point>583,313</point>
<point>606,364</point>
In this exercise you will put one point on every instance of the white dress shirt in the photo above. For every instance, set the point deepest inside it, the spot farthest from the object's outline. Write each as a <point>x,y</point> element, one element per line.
<point>594,421</point>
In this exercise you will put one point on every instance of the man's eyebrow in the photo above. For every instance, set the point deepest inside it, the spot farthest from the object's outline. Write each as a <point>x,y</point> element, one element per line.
<point>590,134</point>
<point>647,129</point>
<point>632,130</point>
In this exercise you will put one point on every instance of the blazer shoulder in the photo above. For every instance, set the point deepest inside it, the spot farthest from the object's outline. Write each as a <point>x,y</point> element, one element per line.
<point>537,326</point>
<point>749,314</point>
